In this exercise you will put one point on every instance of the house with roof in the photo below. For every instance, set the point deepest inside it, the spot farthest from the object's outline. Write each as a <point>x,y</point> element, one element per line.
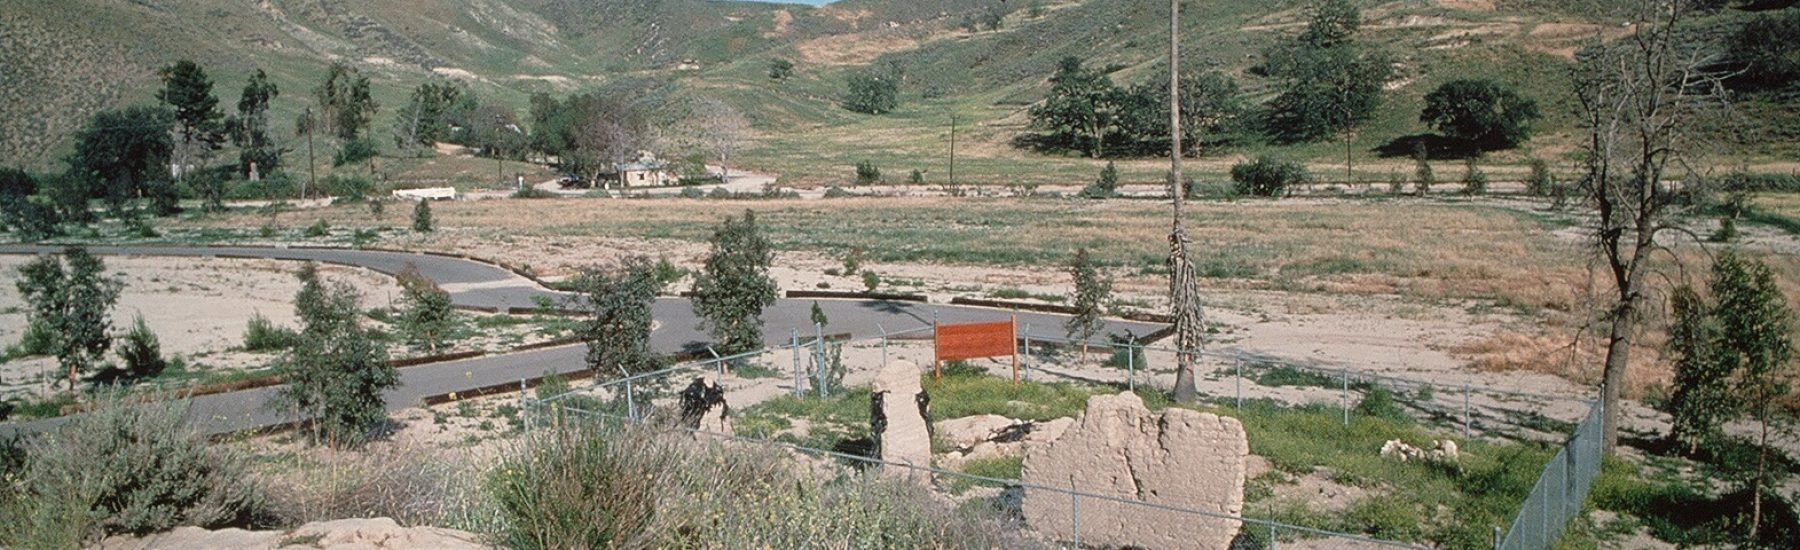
<point>646,171</point>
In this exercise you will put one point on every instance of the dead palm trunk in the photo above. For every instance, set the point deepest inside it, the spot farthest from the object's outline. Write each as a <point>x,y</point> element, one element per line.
<point>1184,291</point>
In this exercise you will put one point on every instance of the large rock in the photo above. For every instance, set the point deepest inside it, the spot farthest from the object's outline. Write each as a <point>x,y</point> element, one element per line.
<point>1118,448</point>
<point>343,534</point>
<point>899,416</point>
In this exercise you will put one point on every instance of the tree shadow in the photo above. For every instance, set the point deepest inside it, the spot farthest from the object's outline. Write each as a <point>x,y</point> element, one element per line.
<point>1437,147</point>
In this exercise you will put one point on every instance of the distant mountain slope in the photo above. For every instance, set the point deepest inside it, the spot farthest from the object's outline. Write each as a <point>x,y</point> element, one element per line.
<point>66,59</point>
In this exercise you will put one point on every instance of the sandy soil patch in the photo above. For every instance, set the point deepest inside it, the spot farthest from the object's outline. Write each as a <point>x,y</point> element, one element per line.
<point>853,49</point>
<point>197,307</point>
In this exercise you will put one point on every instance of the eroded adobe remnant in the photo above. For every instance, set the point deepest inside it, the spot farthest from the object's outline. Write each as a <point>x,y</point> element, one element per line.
<point>1118,448</point>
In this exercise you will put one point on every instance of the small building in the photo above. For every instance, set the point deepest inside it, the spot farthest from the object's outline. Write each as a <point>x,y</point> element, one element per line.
<point>646,171</point>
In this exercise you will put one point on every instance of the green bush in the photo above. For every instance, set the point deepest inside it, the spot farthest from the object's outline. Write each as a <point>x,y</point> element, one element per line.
<point>1267,176</point>
<point>1378,402</point>
<point>347,188</point>
<point>870,280</point>
<point>692,193</point>
<point>318,229</point>
<point>260,334</point>
<point>354,151</point>
<point>1540,181</point>
<point>422,217</point>
<point>140,352</point>
<point>835,192</point>
<point>1475,181</point>
<point>592,487</point>
<point>867,173</point>
<point>126,468</point>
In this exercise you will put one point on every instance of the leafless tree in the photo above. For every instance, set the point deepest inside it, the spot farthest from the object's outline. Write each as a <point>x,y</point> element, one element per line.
<point>718,128</point>
<point>1645,101</point>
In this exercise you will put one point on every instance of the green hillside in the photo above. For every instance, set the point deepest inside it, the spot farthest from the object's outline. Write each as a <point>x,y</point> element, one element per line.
<point>70,58</point>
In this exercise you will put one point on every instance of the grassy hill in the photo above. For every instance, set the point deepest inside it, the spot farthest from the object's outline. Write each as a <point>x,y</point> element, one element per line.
<point>69,58</point>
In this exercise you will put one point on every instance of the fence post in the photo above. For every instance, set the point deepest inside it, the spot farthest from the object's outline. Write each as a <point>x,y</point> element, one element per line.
<point>794,339</point>
<point>1346,395</point>
<point>524,406</point>
<point>1271,536</point>
<point>1237,360</point>
<point>1075,511</point>
<point>1466,427</point>
<point>884,360</point>
<point>819,357</point>
<point>630,402</point>
<point>1131,367</point>
<point>1496,537</point>
<point>1026,362</point>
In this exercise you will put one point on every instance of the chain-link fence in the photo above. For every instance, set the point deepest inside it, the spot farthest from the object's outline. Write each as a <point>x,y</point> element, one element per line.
<point>813,365</point>
<point>1560,490</point>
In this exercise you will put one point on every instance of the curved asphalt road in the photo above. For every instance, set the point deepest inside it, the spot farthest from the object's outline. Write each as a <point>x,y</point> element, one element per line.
<point>482,285</point>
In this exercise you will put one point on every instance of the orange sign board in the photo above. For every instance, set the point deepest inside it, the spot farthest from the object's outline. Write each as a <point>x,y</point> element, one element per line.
<point>976,340</point>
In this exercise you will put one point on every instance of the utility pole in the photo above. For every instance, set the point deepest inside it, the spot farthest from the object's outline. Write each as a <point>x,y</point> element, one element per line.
<point>312,169</point>
<point>953,151</point>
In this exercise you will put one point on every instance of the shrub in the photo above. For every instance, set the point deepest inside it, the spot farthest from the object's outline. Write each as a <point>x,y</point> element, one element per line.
<point>347,188</point>
<point>866,172</point>
<point>1423,178</point>
<point>870,280</point>
<point>354,151</point>
<point>835,192</point>
<point>260,334</point>
<point>1378,402</point>
<point>916,178</point>
<point>1267,176</point>
<point>126,468</point>
<point>692,193</point>
<point>1539,182</point>
<point>587,488</point>
<point>1106,186</point>
<point>422,217</point>
<point>377,208</point>
<point>1474,181</point>
<point>318,229</point>
<point>141,353</point>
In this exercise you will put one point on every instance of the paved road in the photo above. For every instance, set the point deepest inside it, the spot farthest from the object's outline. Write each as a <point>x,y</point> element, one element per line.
<point>477,284</point>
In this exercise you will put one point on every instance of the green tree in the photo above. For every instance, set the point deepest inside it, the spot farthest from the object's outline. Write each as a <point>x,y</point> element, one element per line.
<point>1329,83</point>
<point>818,315</point>
<point>616,323</point>
<point>1080,109</point>
<point>29,219</point>
<point>1484,112</point>
<point>346,107</point>
<point>250,128</point>
<point>1212,106</point>
<point>867,172</point>
<point>1092,290</point>
<point>198,123</point>
<point>426,118</point>
<point>1540,181</point>
<point>69,306</point>
<point>338,371</point>
<point>426,316</point>
<point>421,221</point>
<point>872,94</point>
<point>734,286</point>
<point>120,152</point>
<point>1764,49</point>
<point>1756,322</point>
<point>1702,399</point>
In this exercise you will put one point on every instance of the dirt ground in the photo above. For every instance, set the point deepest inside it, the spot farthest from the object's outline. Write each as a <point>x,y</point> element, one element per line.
<point>197,307</point>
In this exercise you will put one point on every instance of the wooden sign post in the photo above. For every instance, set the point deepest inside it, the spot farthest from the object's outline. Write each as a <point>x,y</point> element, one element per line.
<point>976,340</point>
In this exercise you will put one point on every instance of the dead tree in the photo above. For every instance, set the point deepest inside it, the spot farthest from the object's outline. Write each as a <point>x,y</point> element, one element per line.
<point>1644,101</point>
